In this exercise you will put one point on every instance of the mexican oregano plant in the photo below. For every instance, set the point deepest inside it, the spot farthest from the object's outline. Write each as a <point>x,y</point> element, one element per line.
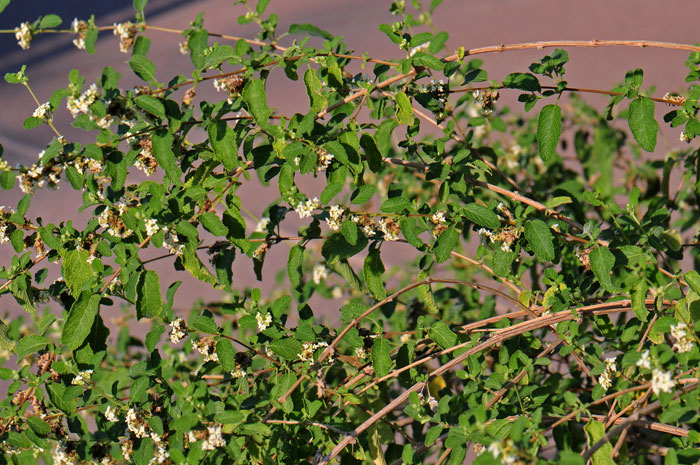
<point>546,313</point>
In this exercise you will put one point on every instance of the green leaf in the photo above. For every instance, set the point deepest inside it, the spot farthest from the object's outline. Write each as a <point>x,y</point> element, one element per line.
<point>80,318</point>
<point>151,104</point>
<point>404,110</point>
<point>140,5</point>
<point>373,271</point>
<point>213,224</point>
<point>381,360</point>
<point>372,153</point>
<point>311,30</point>
<point>336,247</point>
<point>447,241</point>
<point>522,81</point>
<point>204,323</point>
<point>3,4</point>
<point>30,345</point>
<point>288,348</point>
<point>148,300</point>
<point>602,262</point>
<point>350,231</point>
<point>362,194</point>
<point>50,21</point>
<point>638,296</point>
<point>396,205</point>
<point>153,336</point>
<point>540,240</point>
<point>5,342</point>
<point>595,431</point>
<point>314,90</point>
<point>76,271</point>
<point>142,67</point>
<point>442,335</point>
<point>256,100</point>
<point>296,256</point>
<point>195,266</point>
<point>693,279</point>
<point>548,132</point>
<point>226,353</point>
<point>162,142</point>
<point>481,215</point>
<point>32,122</point>
<point>642,122</point>
<point>57,396</point>
<point>39,426</point>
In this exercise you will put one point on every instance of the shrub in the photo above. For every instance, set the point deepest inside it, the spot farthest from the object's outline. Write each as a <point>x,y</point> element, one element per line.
<point>541,308</point>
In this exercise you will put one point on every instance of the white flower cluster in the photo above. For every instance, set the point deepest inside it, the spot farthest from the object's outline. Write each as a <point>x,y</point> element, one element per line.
<point>161,454</point>
<point>24,35</point>
<point>61,456</point>
<point>335,217</point>
<point>645,361</point>
<point>684,137</point>
<point>43,111</point>
<point>81,104</point>
<point>497,448</point>
<point>79,27</point>
<point>324,160</point>
<point>184,47</point>
<point>439,220</point>
<point>172,243</point>
<point>308,349</point>
<point>238,372</point>
<point>207,347</point>
<point>484,99</point>
<point>178,331</point>
<point>214,438</point>
<point>683,342</point>
<point>137,424</point>
<point>390,229</point>
<point>111,220</point>
<point>82,378</point>
<point>661,381</point>
<point>361,353</point>
<point>126,33</point>
<point>151,227</point>
<point>111,414</point>
<point>605,380</point>
<point>320,273</point>
<point>261,227</point>
<point>4,237</point>
<point>264,321</point>
<point>127,448</point>
<point>231,85</point>
<point>304,209</point>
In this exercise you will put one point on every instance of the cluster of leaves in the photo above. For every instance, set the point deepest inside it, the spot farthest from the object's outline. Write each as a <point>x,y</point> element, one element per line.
<point>529,308</point>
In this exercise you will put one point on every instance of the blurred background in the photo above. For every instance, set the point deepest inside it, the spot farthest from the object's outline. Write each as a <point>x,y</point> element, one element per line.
<point>471,24</point>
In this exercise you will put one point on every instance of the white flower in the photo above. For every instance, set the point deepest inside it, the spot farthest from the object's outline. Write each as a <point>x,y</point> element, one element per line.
<point>136,424</point>
<point>178,331</point>
<point>262,225</point>
<point>172,243</point>
<point>111,414</point>
<point>308,349</point>
<point>360,353</point>
<point>684,137</point>
<point>678,331</point>
<point>610,364</point>
<point>264,321</point>
<point>184,48</point>
<point>61,455</point>
<point>335,217</point>
<point>42,111</point>
<point>4,238</point>
<point>661,381</point>
<point>604,380</point>
<point>151,227</point>
<point>214,438</point>
<point>82,378</point>
<point>238,372</point>
<point>207,347</point>
<point>368,230</point>
<point>304,209</point>
<point>683,342</point>
<point>82,103</point>
<point>438,217</point>
<point>389,229</point>
<point>645,361</point>
<point>160,455</point>
<point>337,292</point>
<point>126,34</point>
<point>495,449</point>
<point>127,449</point>
<point>24,35</point>
<point>324,160</point>
<point>320,273</point>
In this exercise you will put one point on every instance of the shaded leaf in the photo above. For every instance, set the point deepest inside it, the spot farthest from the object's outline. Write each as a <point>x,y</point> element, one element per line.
<point>548,132</point>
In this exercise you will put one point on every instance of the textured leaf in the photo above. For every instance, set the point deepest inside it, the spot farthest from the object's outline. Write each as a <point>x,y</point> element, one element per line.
<point>447,241</point>
<point>311,30</point>
<point>162,142</point>
<point>314,91</point>
<point>76,271</point>
<point>256,100</point>
<point>373,271</point>
<point>50,21</point>
<point>442,335</point>
<point>481,215</point>
<point>288,348</point>
<point>142,67</point>
<point>643,123</point>
<point>153,336</point>
<point>693,279</point>
<point>548,132</point>
<point>522,81</point>
<point>396,205</point>
<point>374,156</point>
<point>213,224</point>
<point>80,318</point>
<point>362,194</point>
<point>638,296</point>
<point>595,431</point>
<point>404,110</point>
<point>30,345</point>
<point>540,239</point>
<point>336,247</point>
<point>226,353</point>
<point>296,256</point>
<point>602,261</point>
<point>151,104</point>
<point>5,342</point>
<point>148,300</point>
<point>381,360</point>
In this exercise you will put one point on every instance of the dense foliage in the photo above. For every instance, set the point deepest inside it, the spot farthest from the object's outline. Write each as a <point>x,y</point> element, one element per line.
<point>543,309</point>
